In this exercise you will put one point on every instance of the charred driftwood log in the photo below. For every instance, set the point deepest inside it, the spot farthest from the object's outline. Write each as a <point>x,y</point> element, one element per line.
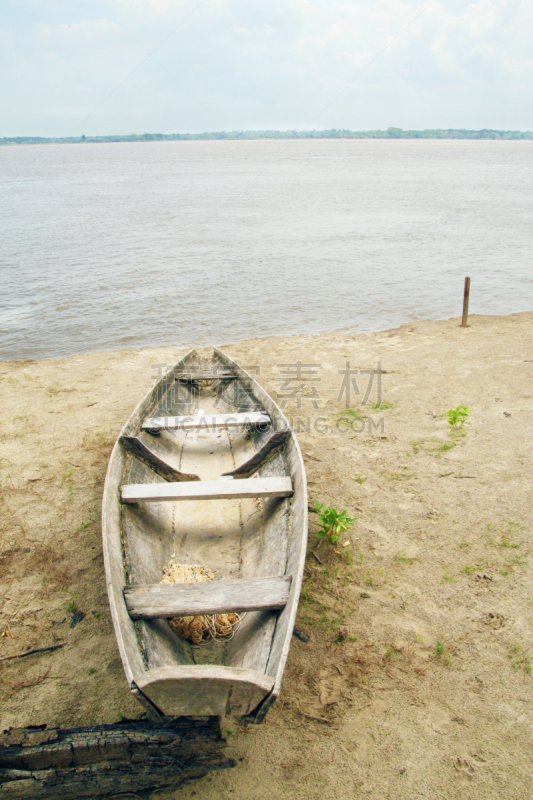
<point>103,760</point>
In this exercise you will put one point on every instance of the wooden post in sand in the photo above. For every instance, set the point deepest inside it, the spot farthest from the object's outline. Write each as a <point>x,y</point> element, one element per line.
<point>465,302</point>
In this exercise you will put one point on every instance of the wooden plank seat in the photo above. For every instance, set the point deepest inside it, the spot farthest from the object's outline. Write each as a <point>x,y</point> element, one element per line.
<point>193,377</point>
<point>206,490</point>
<point>167,600</point>
<point>238,419</point>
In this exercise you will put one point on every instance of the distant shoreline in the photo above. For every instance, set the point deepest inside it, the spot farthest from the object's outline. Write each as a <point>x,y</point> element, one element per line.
<point>333,133</point>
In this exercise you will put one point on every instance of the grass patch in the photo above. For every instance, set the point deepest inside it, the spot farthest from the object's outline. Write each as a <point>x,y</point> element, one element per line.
<point>502,538</point>
<point>402,476</point>
<point>305,592</point>
<point>448,578</point>
<point>434,446</point>
<point>67,480</point>
<point>520,659</point>
<point>401,558</point>
<point>349,414</point>
<point>445,446</point>
<point>57,390</point>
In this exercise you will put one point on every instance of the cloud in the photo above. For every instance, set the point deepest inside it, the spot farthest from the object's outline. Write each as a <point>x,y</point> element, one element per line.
<point>228,64</point>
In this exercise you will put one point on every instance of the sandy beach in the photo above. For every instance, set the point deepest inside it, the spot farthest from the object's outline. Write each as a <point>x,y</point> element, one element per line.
<point>416,680</point>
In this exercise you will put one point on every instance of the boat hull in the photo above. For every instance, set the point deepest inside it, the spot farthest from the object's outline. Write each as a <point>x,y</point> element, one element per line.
<point>241,537</point>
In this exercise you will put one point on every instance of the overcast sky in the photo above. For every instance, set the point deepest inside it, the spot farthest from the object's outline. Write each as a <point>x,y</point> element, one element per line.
<point>124,66</point>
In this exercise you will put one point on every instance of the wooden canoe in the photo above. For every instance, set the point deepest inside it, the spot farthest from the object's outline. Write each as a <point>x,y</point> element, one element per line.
<point>205,471</point>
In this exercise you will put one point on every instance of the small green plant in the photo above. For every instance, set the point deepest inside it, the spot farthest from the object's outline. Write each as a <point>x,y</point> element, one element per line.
<point>91,671</point>
<point>72,605</point>
<point>380,406</point>
<point>332,522</point>
<point>341,635</point>
<point>84,525</point>
<point>468,569</point>
<point>67,480</point>
<point>457,416</point>
<point>448,578</point>
<point>391,651</point>
<point>439,649</point>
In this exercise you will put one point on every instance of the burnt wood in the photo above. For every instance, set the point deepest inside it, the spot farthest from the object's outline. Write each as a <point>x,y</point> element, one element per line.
<point>100,760</point>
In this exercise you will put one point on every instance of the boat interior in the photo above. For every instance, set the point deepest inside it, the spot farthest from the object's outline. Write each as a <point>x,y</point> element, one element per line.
<point>203,423</point>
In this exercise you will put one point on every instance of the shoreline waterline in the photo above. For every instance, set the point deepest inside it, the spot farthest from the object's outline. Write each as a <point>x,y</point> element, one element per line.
<point>345,334</point>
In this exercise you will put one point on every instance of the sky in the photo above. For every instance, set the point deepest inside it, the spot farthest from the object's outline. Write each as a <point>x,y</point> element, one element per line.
<point>72,67</point>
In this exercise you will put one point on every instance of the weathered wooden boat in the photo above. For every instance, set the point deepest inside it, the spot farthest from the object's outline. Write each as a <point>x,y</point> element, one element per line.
<point>206,471</point>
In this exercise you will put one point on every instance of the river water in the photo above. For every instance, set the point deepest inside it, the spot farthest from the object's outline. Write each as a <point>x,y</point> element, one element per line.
<point>127,245</point>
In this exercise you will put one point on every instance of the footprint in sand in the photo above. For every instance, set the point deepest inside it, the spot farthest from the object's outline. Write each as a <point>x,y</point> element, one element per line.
<point>465,770</point>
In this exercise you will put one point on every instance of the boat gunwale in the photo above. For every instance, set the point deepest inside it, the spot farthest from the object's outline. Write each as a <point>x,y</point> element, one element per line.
<point>297,574</point>
<point>118,452</point>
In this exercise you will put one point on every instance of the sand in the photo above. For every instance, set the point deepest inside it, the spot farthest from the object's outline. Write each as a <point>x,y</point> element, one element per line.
<point>416,680</point>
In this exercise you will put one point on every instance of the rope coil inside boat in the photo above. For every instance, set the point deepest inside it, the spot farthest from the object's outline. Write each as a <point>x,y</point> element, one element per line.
<point>207,627</point>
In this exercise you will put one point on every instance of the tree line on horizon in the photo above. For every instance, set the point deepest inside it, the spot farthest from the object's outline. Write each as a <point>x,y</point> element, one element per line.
<point>333,133</point>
